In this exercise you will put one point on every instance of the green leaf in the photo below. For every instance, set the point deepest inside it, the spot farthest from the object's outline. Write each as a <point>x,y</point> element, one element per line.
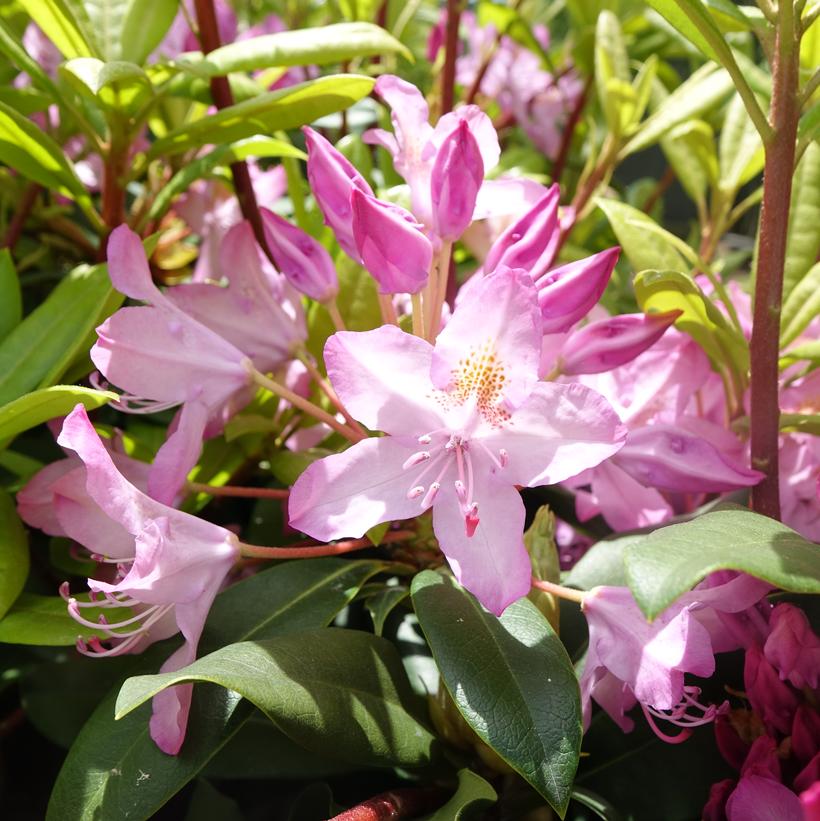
<point>11,302</point>
<point>381,604</point>
<point>284,109</point>
<point>673,559</point>
<point>690,149</point>
<point>13,554</point>
<point>741,149</point>
<point>143,26</point>
<point>324,688</point>
<point>336,43</point>
<point>473,798</point>
<point>44,620</point>
<point>11,46</point>
<point>644,249</point>
<point>803,243</point>
<point>208,804</point>
<point>510,678</point>
<point>672,10</point>
<point>705,89</point>
<point>602,564</point>
<point>801,306</point>
<point>40,349</point>
<point>800,423</point>
<point>100,777</point>
<point>663,291</point>
<point>116,85</point>
<point>612,76</point>
<point>65,24</point>
<point>807,352</point>
<point>39,406</point>
<point>29,150</point>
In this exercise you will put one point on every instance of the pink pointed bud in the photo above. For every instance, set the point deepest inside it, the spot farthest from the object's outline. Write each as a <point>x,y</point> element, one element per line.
<point>332,177</point>
<point>302,259</point>
<point>668,458</point>
<point>455,179</point>
<point>567,294</point>
<point>608,343</point>
<point>530,242</point>
<point>390,244</point>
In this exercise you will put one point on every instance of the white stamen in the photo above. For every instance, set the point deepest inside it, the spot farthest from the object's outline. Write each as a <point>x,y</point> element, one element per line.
<point>425,440</point>
<point>416,459</point>
<point>415,492</point>
<point>461,491</point>
<point>430,495</point>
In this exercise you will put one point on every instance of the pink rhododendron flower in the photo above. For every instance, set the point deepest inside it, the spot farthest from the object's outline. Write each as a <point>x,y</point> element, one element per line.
<point>792,647</point>
<point>632,661</point>
<point>467,422</point>
<point>170,566</point>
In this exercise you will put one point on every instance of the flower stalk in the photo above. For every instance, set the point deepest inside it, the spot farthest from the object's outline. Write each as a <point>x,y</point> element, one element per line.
<point>559,591</point>
<point>312,551</point>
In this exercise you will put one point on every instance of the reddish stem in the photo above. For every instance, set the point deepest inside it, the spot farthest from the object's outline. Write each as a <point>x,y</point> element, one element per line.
<point>660,189</point>
<point>223,98</point>
<point>774,223</point>
<point>448,73</point>
<point>312,551</point>
<point>240,492</point>
<point>394,805</point>
<point>18,221</point>
<point>569,130</point>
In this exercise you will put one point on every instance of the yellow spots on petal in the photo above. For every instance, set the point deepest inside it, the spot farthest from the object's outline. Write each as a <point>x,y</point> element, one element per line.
<point>480,376</point>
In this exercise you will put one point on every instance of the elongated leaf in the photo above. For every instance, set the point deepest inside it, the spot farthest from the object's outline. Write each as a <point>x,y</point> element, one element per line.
<point>741,149</point>
<point>100,777</point>
<point>602,564</point>
<point>801,307</point>
<point>44,620</point>
<point>511,679</point>
<point>670,561</point>
<point>13,49</point>
<point>612,71</point>
<point>144,24</point>
<point>301,47</point>
<point>803,244</point>
<point>65,24</point>
<point>805,352</point>
<point>673,11</point>
<point>707,88</point>
<point>325,689</point>
<point>11,302</point>
<point>690,149</point>
<point>52,334</point>
<point>116,85</point>
<point>13,554</point>
<point>644,249</point>
<point>471,801</point>
<point>40,406</point>
<point>27,149</point>
<point>284,109</point>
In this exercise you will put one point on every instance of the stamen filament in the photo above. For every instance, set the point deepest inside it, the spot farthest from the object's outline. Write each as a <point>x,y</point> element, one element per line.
<point>559,590</point>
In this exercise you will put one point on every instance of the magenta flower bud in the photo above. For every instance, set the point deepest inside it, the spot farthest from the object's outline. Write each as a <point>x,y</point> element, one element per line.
<point>608,343</point>
<point>390,244</point>
<point>456,177</point>
<point>530,242</point>
<point>668,458</point>
<point>302,259</point>
<point>792,647</point>
<point>774,701</point>
<point>567,294</point>
<point>332,177</point>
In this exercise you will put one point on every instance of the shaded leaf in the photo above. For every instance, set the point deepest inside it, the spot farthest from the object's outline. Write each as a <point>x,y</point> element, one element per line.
<point>473,797</point>
<point>11,302</point>
<point>803,243</point>
<point>14,560</point>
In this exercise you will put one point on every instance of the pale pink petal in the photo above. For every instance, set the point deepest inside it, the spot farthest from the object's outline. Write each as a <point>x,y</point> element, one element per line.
<point>171,706</point>
<point>503,345</point>
<point>493,563</point>
<point>35,501</point>
<point>762,799</point>
<point>83,521</point>
<point>506,196</point>
<point>128,266</point>
<point>481,127</point>
<point>624,503</point>
<point>348,493</point>
<point>383,379</point>
<point>558,432</point>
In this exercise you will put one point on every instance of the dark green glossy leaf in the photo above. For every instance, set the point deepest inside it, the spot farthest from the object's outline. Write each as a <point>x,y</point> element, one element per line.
<point>511,679</point>
<point>101,775</point>
<point>14,559</point>
<point>11,304</point>
<point>673,559</point>
<point>327,689</point>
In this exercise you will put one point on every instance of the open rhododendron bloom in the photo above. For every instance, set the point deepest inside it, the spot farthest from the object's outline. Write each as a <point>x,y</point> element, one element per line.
<point>467,422</point>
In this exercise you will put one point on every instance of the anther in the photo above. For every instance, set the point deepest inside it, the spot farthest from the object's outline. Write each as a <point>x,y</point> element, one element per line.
<point>425,440</point>
<point>461,491</point>
<point>430,495</point>
<point>415,492</point>
<point>416,459</point>
<point>503,457</point>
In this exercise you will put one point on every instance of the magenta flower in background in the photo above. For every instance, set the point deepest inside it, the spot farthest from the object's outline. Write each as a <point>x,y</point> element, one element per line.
<point>792,647</point>
<point>468,421</point>
<point>170,565</point>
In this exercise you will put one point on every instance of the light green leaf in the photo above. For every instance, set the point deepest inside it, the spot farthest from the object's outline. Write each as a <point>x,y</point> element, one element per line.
<point>144,24</point>
<point>336,43</point>
<point>741,149</point>
<point>807,352</point>
<point>801,307</point>
<point>644,249</point>
<point>44,621</point>
<point>284,109</point>
<point>510,678</point>
<point>39,350</point>
<point>672,10</point>
<point>100,777</point>
<point>800,423</point>
<point>705,89</point>
<point>117,84</point>
<point>673,559</point>
<point>803,243</point>
<point>11,302</point>
<point>602,564</point>
<point>612,75</point>
<point>690,149</point>
<point>35,408</point>
<point>14,559</point>
<point>29,150</point>
<point>323,688</point>
<point>473,798</point>
<point>11,46</point>
<point>65,23</point>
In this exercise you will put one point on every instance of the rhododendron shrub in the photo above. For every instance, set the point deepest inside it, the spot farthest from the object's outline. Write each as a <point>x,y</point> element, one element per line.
<point>409,410</point>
